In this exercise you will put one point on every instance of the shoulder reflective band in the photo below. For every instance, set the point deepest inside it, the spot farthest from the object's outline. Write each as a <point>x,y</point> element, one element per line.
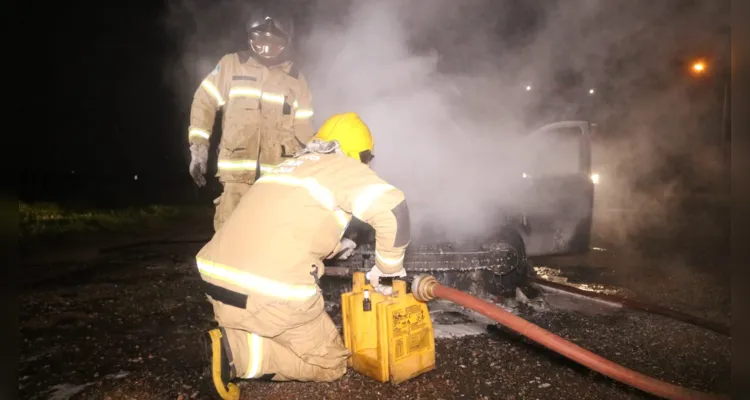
<point>213,91</point>
<point>403,225</point>
<point>199,132</point>
<point>255,356</point>
<point>315,189</point>
<point>367,197</point>
<point>254,283</point>
<point>243,165</point>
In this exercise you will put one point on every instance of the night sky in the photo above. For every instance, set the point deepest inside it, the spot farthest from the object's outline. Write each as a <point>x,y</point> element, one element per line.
<point>111,111</point>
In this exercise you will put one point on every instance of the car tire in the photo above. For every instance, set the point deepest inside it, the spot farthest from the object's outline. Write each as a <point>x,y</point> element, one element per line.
<point>506,282</point>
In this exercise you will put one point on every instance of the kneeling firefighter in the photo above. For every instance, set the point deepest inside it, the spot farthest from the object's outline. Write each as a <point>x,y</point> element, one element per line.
<point>261,269</point>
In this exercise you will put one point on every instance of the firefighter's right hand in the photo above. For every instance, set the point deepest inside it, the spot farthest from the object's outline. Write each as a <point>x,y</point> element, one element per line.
<point>198,163</point>
<point>347,248</point>
<point>374,276</point>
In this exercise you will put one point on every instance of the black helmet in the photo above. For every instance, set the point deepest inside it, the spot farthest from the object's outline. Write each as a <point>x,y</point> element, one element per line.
<point>269,36</point>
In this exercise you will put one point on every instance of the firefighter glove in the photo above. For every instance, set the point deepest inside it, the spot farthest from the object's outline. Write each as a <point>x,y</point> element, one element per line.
<point>198,162</point>
<point>347,248</point>
<point>374,277</point>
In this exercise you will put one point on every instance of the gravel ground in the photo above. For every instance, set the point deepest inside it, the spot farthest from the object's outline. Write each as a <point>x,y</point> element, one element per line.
<point>128,327</point>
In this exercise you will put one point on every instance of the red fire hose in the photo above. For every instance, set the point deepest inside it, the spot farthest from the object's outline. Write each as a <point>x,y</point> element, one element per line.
<point>426,288</point>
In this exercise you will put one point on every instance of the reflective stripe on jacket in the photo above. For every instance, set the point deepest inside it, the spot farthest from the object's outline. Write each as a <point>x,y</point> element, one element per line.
<point>267,113</point>
<point>253,283</point>
<point>294,216</point>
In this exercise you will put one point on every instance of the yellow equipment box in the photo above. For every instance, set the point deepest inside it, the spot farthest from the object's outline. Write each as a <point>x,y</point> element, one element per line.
<point>390,337</point>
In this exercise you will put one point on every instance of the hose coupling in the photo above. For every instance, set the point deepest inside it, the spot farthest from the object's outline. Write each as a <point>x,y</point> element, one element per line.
<point>421,287</point>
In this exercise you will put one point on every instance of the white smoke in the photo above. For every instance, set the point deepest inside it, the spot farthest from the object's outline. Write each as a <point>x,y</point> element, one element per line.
<point>449,117</point>
<point>431,137</point>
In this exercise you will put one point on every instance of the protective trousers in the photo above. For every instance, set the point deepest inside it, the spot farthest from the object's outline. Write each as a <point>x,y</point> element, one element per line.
<point>227,202</point>
<point>282,339</point>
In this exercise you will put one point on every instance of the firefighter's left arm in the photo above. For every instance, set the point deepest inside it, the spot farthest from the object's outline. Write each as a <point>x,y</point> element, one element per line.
<point>383,206</point>
<point>303,111</point>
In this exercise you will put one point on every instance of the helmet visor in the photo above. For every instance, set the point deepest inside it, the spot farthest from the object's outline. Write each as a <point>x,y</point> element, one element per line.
<point>267,45</point>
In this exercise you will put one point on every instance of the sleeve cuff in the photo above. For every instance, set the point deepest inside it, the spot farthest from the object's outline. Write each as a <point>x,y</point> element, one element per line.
<point>390,264</point>
<point>198,136</point>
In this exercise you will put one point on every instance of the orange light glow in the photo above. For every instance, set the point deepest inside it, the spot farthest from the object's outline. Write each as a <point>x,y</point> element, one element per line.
<point>698,67</point>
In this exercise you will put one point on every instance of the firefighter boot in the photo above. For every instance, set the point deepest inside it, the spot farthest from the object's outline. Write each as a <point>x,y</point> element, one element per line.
<point>218,373</point>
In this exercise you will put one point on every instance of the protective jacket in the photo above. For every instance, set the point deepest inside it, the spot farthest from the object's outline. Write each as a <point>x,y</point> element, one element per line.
<point>266,114</point>
<point>294,217</point>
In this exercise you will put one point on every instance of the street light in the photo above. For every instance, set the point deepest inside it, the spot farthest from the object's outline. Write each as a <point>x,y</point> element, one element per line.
<point>699,67</point>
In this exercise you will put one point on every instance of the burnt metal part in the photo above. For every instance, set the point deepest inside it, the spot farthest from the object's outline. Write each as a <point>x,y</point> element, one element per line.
<point>491,268</point>
<point>638,305</point>
<point>436,258</point>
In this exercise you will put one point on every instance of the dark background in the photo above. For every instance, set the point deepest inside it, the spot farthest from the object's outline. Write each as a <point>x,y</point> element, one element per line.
<point>110,113</point>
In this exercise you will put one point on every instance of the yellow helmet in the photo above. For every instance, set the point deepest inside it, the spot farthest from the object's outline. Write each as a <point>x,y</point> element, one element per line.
<point>352,134</point>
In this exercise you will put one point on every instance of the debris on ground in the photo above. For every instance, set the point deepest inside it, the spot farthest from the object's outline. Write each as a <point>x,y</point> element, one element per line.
<point>128,328</point>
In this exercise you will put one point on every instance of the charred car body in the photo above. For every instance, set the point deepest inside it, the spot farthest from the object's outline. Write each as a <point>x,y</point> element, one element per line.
<point>555,219</point>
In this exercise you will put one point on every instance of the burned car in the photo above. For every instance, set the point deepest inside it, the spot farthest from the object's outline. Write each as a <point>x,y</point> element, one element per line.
<point>556,192</point>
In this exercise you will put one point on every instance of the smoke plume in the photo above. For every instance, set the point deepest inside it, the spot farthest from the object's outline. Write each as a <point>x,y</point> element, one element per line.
<point>450,88</point>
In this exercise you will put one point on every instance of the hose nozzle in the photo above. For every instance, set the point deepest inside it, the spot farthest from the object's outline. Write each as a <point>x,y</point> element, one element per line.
<point>422,287</point>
